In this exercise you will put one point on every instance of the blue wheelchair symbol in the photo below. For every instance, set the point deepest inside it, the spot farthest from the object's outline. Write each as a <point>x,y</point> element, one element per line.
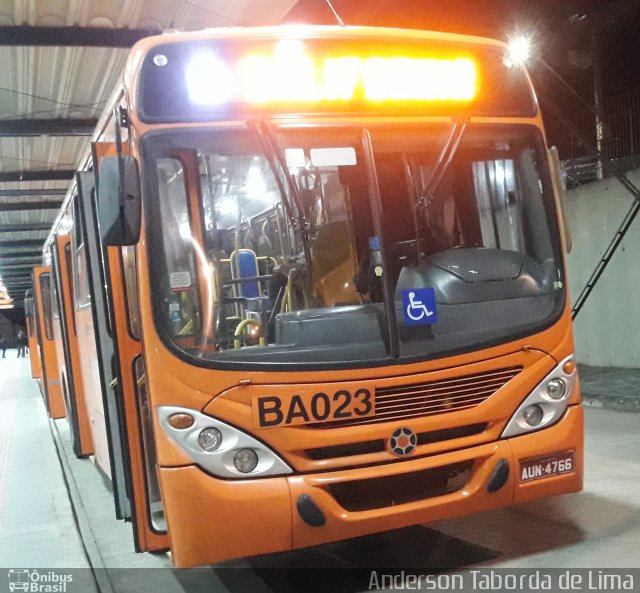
<point>419,306</point>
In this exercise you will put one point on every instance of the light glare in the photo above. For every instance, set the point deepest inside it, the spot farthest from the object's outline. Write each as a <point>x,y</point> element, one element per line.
<point>519,49</point>
<point>209,80</point>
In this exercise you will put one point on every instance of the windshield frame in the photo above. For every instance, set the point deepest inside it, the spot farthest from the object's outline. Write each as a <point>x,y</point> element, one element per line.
<point>360,127</point>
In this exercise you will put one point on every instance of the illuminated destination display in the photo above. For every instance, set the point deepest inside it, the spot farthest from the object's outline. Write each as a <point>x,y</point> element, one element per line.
<point>206,79</point>
<point>290,74</point>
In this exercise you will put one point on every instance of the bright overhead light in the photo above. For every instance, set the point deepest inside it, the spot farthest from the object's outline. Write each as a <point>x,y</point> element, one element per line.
<point>519,50</point>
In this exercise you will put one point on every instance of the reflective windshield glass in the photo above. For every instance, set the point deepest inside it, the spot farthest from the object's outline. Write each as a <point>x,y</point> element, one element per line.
<point>355,246</point>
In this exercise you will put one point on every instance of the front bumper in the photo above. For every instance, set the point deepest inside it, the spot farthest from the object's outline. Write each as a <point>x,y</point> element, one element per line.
<point>209,518</point>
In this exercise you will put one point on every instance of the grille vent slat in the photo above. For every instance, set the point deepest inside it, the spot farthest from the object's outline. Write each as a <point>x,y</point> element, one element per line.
<point>431,397</point>
<point>496,383</point>
<point>428,398</point>
<point>502,375</point>
<point>414,406</point>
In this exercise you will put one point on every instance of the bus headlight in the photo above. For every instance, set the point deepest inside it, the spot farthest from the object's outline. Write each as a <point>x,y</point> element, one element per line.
<point>556,388</point>
<point>533,415</point>
<point>245,460</point>
<point>209,439</point>
<point>546,404</point>
<point>221,449</point>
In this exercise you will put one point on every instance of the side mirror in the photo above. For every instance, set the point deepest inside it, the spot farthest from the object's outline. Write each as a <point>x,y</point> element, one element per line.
<point>558,186</point>
<point>119,200</point>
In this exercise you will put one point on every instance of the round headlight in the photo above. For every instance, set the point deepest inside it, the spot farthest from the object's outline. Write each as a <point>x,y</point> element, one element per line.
<point>556,388</point>
<point>533,415</point>
<point>209,439</point>
<point>245,460</point>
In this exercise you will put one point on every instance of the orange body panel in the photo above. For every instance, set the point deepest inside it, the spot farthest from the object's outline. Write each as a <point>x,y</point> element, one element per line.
<point>236,518</point>
<point>88,367</point>
<point>129,349</point>
<point>73,376</point>
<point>206,532</point>
<point>50,375</point>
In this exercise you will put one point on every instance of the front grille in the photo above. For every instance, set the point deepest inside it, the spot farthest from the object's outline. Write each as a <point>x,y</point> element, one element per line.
<point>364,447</point>
<point>377,493</point>
<point>334,451</point>
<point>432,397</point>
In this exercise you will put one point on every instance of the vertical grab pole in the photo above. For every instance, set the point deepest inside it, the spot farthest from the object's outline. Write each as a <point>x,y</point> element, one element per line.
<point>376,205</point>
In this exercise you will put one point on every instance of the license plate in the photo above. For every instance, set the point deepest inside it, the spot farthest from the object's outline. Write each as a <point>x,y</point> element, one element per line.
<point>312,408</point>
<point>538,468</point>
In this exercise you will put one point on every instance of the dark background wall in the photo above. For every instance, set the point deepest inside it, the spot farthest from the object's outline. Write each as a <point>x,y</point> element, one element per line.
<point>11,320</point>
<point>573,39</point>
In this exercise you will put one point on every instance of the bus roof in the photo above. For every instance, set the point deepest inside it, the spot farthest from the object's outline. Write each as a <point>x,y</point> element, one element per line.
<point>310,32</point>
<point>332,69</point>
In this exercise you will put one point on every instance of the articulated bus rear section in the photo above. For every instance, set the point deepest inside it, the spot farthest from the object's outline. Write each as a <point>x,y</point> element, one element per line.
<point>335,307</point>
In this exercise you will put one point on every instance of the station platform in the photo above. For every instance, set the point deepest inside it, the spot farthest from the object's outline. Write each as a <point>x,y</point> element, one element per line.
<point>37,525</point>
<point>610,387</point>
<point>56,511</point>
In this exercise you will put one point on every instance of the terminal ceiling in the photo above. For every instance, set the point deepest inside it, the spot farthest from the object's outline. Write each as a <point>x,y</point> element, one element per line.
<point>61,60</point>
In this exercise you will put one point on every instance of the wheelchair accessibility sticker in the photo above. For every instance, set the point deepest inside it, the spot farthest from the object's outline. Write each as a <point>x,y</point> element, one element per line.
<point>419,306</point>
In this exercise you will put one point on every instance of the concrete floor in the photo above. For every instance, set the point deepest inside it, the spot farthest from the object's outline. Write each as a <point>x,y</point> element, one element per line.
<point>597,528</point>
<point>37,524</point>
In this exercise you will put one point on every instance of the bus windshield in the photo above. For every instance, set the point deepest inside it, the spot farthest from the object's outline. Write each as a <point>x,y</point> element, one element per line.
<point>343,245</point>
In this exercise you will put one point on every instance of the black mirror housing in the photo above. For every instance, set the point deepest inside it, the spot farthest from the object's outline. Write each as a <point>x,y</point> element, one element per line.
<point>119,200</point>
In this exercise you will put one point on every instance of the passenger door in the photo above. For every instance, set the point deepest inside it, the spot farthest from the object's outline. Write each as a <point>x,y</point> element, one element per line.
<point>128,384</point>
<point>32,334</point>
<point>52,390</point>
<point>77,412</point>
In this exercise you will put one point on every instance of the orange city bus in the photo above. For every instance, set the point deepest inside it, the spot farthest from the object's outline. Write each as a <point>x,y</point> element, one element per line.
<point>335,287</point>
<point>32,335</point>
<point>80,329</point>
<point>49,379</point>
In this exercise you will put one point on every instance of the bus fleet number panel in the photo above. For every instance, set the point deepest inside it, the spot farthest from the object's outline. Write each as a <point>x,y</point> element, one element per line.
<point>310,408</point>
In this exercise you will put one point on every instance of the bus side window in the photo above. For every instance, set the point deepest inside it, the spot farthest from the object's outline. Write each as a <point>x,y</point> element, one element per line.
<point>130,268</point>
<point>181,272</point>
<point>79,262</point>
<point>45,283</point>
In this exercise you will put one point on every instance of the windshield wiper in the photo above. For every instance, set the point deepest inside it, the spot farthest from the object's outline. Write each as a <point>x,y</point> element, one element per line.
<point>271,156</point>
<point>274,156</point>
<point>445,157</point>
<point>444,160</point>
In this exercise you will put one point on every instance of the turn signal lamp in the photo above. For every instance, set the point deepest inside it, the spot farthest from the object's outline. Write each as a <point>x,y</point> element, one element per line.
<point>290,74</point>
<point>181,421</point>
